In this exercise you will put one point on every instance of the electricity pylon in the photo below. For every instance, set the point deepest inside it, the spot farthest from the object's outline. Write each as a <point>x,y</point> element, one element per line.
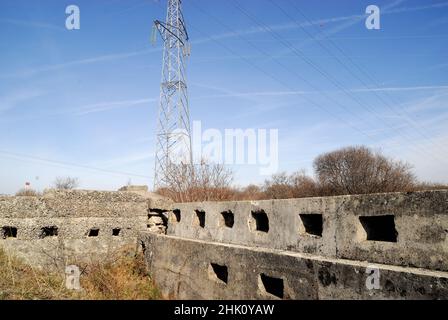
<point>173,137</point>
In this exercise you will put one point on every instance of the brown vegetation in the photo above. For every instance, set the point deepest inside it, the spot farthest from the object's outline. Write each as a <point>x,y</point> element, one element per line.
<point>27,192</point>
<point>358,170</point>
<point>351,170</point>
<point>66,183</point>
<point>202,182</point>
<point>122,276</point>
<point>296,185</point>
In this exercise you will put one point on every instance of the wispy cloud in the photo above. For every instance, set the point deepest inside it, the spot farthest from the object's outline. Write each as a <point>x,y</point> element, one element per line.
<point>347,22</point>
<point>438,23</point>
<point>411,88</point>
<point>438,67</point>
<point>126,160</point>
<point>349,19</point>
<point>419,8</point>
<point>426,155</point>
<point>31,24</point>
<point>224,93</point>
<point>276,27</point>
<point>14,99</point>
<point>58,163</point>
<point>74,63</point>
<point>233,94</point>
<point>111,57</point>
<point>437,100</point>
<point>111,105</point>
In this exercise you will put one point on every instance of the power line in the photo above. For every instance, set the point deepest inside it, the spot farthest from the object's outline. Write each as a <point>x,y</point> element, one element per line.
<point>275,60</point>
<point>334,81</point>
<point>283,83</point>
<point>27,157</point>
<point>360,69</point>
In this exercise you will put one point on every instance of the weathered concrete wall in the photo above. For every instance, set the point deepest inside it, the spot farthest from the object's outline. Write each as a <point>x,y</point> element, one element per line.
<point>316,248</point>
<point>77,225</point>
<point>406,229</point>
<point>183,269</point>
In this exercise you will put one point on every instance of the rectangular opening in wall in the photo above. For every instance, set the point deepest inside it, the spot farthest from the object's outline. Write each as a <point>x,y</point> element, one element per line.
<point>272,285</point>
<point>51,231</point>
<point>228,218</point>
<point>312,223</point>
<point>158,211</point>
<point>116,232</point>
<point>94,232</point>
<point>219,272</point>
<point>177,215</point>
<point>9,232</point>
<point>260,220</point>
<point>379,228</point>
<point>200,218</point>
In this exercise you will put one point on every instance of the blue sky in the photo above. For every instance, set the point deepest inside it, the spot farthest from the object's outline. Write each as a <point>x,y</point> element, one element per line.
<point>83,103</point>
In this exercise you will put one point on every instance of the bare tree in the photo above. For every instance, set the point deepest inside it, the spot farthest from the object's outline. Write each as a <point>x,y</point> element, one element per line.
<point>66,183</point>
<point>250,192</point>
<point>201,182</point>
<point>279,187</point>
<point>296,185</point>
<point>351,170</point>
<point>358,170</point>
<point>304,185</point>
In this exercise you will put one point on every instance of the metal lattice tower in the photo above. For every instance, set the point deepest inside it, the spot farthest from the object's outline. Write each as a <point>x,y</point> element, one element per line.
<point>173,127</point>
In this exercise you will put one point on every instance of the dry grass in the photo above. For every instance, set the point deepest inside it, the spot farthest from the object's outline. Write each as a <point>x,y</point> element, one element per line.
<point>124,278</point>
<point>27,193</point>
<point>121,278</point>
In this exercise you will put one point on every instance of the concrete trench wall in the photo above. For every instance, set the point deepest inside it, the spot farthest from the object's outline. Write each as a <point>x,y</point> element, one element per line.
<point>412,227</point>
<point>316,248</point>
<point>63,226</point>
<point>184,269</point>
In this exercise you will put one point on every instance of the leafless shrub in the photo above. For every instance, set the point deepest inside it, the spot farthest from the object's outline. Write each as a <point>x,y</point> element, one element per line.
<point>304,185</point>
<point>201,182</point>
<point>358,170</point>
<point>66,183</point>
<point>27,192</point>
<point>251,192</point>
<point>351,170</point>
<point>296,185</point>
<point>426,186</point>
<point>279,186</point>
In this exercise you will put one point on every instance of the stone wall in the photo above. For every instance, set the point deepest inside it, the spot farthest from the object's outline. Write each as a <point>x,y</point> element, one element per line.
<point>77,225</point>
